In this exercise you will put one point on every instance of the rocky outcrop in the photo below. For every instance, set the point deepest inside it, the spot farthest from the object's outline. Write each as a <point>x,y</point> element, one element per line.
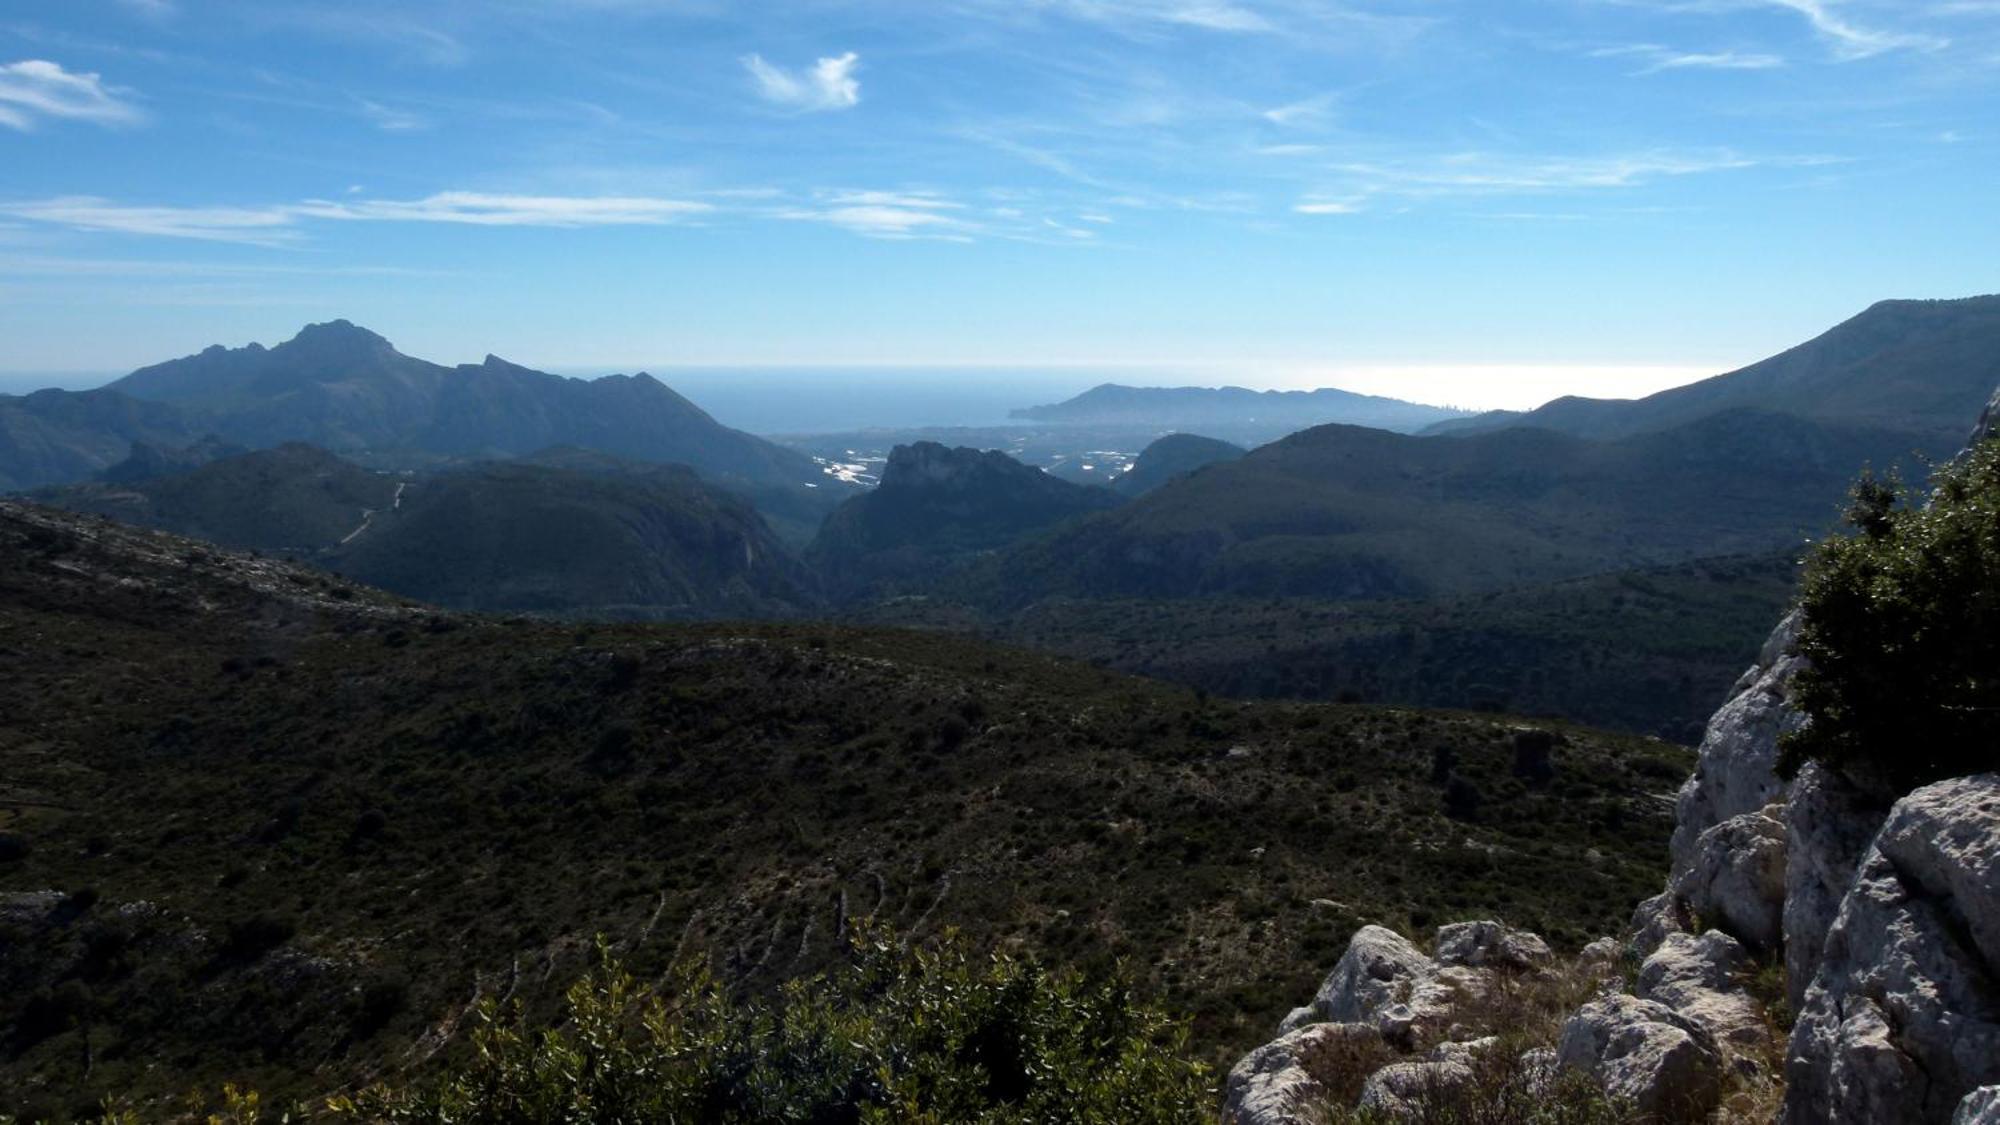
<point>1480,945</point>
<point>1700,978</point>
<point>1284,1081</point>
<point>1663,1064</point>
<point>1980,1107</point>
<point>1734,770</point>
<point>1830,823</point>
<point>1902,1018</point>
<point>1404,1089</point>
<point>1735,876</point>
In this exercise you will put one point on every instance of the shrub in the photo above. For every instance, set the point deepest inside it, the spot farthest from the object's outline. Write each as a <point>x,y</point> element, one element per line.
<point>1902,631</point>
<point>926,1035</point>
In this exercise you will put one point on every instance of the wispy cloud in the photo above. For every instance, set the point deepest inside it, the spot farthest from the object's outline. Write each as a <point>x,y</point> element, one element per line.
<point>479,209</point>
<point>1307,111</point>
<point>1658,58</point>
<point>887,214</point>
<point>33,89</point>
<point>256,226</point>
<point>1852,40</point>
<point>1210,15</point>
<point>827,85</point>
<point>278,225</point>
<point>1488,173</point>
<point>390,119</point>
<point>1328,207</point>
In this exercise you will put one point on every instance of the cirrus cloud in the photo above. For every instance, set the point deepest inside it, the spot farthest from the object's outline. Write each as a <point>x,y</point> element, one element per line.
<point>828,85</point>
<point>33,89</point>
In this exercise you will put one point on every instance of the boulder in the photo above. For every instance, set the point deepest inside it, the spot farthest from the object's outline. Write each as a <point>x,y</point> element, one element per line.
<point>1653,920</point>
<point>1432,1003</point>
<point>1482,945</point>
<point>1735,877</point>
<point>1663,1064</point>
<point>1829,824</point>
<point>1697,977</point>
<point>1980,1107</point>
<point>1902,1019</point>
<point>1406,1089</point>
<point>1380,968</point>
<point>1284,1081</point>
<point>1603,951</point>
<point>1734,771</point>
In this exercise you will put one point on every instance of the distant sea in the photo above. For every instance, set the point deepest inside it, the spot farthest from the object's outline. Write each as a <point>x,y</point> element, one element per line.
<point>807,400</point>
<point>21,382</point>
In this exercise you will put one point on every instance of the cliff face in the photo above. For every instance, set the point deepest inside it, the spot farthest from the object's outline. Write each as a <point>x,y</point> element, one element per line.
<point>1885,916</point>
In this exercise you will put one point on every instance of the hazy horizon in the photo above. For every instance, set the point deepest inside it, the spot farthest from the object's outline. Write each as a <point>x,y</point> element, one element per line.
<point>807,398</point>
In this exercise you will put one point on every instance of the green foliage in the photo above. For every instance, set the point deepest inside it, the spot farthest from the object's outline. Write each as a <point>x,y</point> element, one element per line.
<point>216,741</point>
<point>1902,629</point>
<point>894,1035</point>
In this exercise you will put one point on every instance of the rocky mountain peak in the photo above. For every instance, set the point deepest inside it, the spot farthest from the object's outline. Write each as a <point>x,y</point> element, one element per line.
<point>335,339</point>
<point>926,463</point>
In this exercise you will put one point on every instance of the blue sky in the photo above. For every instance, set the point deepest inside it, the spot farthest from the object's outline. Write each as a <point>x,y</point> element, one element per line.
<point>1473,200</point>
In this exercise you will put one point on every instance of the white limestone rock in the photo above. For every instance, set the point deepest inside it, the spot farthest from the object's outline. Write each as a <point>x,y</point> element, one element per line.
<point>1280,1084</point>
<point>1980,1107</point>
<point>1829,824</point>
<point>1697,977</point>
<point>1380,969</point>
<point>1735,877</point>
<point>1405,1089</point>
<point>1488,944</point>
<point>1902,1019</point>
<point>1603,951</point>
<point>1665,1065</point>
<point>1989,421</point>
<point>1734,768</point>
<point>1653,920</point>
<point>1432,1002</point>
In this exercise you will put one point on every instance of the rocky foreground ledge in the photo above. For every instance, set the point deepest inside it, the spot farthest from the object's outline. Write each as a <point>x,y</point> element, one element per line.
<point>1820,956</point>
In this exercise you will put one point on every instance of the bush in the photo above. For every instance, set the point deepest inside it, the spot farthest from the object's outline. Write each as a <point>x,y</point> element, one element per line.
<point>894,1035</point>
<point>1902,631</point>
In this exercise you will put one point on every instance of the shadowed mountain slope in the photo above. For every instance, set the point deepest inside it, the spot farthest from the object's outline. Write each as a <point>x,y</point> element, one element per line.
<point>1344,512</point>
<point>647,542</point>
<point>50,437</point>
<point>569,532</point>
<point>296,498</point>
<point>937,507</point>
<point>346,388</point>
<point>1917,368</point>
<point>1172,456</point>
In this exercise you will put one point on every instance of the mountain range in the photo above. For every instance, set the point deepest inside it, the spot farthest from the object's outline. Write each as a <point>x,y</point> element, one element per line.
<point>1236,413</point>
<point>1197,539</point>
<point>349,391</point>
<point>1915,368</point>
